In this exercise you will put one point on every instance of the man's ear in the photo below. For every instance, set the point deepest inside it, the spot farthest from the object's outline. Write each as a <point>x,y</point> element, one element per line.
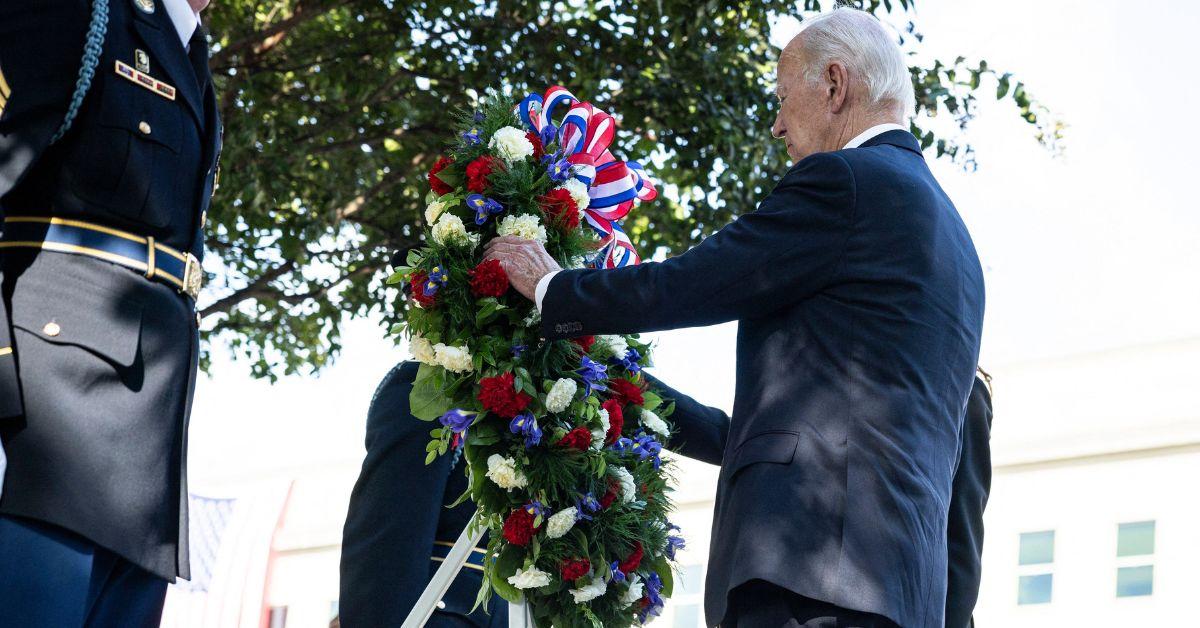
<point>838,81</point>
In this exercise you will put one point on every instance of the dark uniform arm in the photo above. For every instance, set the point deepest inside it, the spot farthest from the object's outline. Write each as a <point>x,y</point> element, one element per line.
<point>701,430</point>
<point>41,45</point>
<point>972,483</point>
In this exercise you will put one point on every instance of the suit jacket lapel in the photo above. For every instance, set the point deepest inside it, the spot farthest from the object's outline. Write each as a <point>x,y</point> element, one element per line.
<point>167,51</point>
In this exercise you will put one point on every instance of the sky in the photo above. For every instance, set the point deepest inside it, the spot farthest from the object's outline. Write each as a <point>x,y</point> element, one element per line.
<point>1092,250</point>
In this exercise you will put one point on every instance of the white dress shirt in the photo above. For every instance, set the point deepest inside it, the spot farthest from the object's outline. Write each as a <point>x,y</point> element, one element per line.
<point>185,19</point>
<point>859,140</point>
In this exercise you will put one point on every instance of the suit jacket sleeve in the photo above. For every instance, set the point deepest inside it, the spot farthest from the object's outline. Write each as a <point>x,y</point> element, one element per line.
<point>702,431</point>
<point>786,250</point>
<point>972,483</point>
<point>41,45</point>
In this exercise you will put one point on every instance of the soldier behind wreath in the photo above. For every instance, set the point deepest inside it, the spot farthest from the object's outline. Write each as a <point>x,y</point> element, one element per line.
<point>109,139</point>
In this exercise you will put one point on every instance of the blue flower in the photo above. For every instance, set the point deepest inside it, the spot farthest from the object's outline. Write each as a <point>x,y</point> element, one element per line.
<point>588,504</point>
<point>653,592</point>
<point>517,350</point>
<point>592,373</point>
<point>630,361</point>
<point>535,508</point>
<point>525,424</point>
<point>458,420</point>
<point>674,544</point>
<point>644,445</point>
<point>558,169</point>
<point>472,136</point>
<point>483,207</point>
<point>615,569</point>
<point>478,116</point>
<point>436,279</point>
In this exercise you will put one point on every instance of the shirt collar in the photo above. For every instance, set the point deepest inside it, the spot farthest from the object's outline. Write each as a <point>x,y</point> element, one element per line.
<point>872,132</point>
<point>184,18</point>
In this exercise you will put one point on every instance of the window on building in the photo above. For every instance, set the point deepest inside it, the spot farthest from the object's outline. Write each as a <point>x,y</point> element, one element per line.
<point>277,617</point>
<point>1035,580</point>
<point>685,607</point>
<point>687,616</point>
<point>1135,558</point>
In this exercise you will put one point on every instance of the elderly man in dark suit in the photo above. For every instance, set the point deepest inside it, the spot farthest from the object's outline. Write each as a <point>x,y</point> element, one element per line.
<point>109,139</point>
<point>860,301</point>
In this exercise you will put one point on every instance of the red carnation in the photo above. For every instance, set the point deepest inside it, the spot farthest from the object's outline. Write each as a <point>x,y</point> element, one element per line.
<point>538,149</point>
<point>574,568</point>
<point>560,208</point>
<point>579,438</point>
<point>630,565</point>
<point>610,495</point>
<point>518,527</point>
<point>626,392</point>
<point>417,290</point>
<point>435,182</point>
<point>478,172</point>
<point>498,396</point>
<point>488,279</point>
<point>585,342</point>
<point>616,420</point>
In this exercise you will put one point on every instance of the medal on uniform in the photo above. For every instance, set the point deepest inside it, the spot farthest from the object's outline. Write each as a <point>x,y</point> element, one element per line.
<point>147,6</point>
<point>143,79</point>
<point>141,60</point>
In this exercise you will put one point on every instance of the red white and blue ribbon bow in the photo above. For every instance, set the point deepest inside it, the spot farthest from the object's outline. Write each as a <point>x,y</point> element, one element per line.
<point>584,137</point>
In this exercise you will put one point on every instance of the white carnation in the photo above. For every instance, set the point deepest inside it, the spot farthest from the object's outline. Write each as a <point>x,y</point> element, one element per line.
<point>453,359</point>
<point>628,487</point>
<point>654,423</point>
<point>579,193</point>
<point>599,433</point>
<point>526,227</point>
<point>561,522</point>
<point>561,394</point>
<point>511,144</point>
<point>530,578</point>
<point>433,211</point>
<point>503,471</point>
<point>591,591</point>
<point>421,350</point>
<point>614,345</point>
<point>450,230</point>
<point>634,592</point>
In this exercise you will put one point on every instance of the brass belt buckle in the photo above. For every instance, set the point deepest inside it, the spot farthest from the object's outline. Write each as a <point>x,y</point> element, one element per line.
<point>193,277</point>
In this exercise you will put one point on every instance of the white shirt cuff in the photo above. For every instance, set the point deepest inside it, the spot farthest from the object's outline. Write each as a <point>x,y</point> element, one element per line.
<point>543,285</point>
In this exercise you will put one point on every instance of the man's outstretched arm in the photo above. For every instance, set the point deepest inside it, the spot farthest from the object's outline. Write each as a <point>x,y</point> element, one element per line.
<point>786,250</point>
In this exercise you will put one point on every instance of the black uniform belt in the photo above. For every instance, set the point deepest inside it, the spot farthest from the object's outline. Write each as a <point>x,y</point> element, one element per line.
<point>441,549</point>
<point>142,254</point>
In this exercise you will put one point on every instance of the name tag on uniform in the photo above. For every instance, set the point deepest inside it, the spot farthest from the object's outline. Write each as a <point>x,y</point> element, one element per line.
<point>145,80</point>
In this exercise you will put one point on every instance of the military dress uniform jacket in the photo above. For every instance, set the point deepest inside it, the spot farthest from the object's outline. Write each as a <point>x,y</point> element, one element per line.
<point>97,377</point>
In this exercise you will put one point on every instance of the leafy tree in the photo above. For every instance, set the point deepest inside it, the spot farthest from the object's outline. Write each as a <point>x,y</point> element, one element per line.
<point>334,111</point>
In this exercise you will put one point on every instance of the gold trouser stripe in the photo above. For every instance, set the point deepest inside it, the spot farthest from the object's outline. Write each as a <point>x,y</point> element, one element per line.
<point>5,351</point>
<point>467,565</point>
<point>449,544</point>
<point>67,222</point>
<point>4,89</point>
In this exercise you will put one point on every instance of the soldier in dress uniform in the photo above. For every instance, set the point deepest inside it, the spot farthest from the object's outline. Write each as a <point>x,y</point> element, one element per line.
<point>109,140</point>
<point>398,529</point>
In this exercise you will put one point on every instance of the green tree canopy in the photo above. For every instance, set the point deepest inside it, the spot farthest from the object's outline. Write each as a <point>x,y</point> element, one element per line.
<point>334,111</point>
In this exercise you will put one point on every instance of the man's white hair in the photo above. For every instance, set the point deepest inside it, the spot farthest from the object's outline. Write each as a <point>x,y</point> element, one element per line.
<point>857,40</point>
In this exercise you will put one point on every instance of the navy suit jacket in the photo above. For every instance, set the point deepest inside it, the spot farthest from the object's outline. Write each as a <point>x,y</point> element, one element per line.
<point>860,300</point>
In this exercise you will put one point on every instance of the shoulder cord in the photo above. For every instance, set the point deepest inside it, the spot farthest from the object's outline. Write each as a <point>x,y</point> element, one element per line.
<point>92,48</point>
